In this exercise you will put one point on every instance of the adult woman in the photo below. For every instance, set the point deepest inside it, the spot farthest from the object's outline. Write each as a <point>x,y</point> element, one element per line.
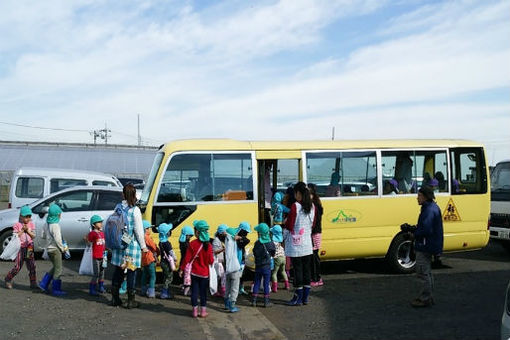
<point>316,237</point>
<point>56,247</point>
<point>298,242</point>
<point>128,259</point>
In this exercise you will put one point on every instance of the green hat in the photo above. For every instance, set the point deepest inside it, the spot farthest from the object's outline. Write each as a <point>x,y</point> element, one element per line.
<point>94,219</point>
<point>203,230</point>
<point>146,224</point>
<point>263,230</point>
<point>54,212</point>
<point>25,211</point>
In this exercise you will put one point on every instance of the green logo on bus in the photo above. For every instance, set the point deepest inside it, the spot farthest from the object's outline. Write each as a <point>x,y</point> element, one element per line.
<point>345,216</point>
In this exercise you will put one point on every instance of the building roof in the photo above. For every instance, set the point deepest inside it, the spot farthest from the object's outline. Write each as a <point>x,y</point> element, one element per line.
<point>114,159</point>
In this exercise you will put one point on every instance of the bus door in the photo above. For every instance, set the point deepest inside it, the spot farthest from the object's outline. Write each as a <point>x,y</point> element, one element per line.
<point>276,172</point>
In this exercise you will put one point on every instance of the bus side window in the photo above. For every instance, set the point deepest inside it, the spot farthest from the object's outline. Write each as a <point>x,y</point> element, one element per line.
<point>469,173</point>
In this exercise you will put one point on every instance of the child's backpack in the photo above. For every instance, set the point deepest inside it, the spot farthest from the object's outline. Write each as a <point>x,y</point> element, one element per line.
<point>115,228</point>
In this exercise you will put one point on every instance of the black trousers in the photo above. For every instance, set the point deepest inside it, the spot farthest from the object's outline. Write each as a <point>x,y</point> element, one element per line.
<point>316,266</point>
<point>302,267</point>
<point>118,278</point>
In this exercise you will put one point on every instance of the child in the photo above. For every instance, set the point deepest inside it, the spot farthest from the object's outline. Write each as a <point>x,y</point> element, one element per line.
<point>199,257</point>
<point>167,259</point>
<point>149,263</point>
<point>263,251</point>
<point>96,237</point>
<point>316,237</point>
<point>219,257</point>
<point>184,239</point>
<point>242,241</point>
<point>56,248</point>
<point>278,209</point>
<point>233,259</point>
<point>26,233</point>
<point>279,259</point>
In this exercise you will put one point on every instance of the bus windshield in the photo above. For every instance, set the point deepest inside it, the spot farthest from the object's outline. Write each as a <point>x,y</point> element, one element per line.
<point>152,178</point>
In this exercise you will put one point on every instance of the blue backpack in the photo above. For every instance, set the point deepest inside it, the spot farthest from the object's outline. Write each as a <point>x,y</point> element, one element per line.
<point>115,228</point>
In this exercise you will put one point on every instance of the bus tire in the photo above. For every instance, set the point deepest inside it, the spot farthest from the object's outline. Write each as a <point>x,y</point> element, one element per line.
<point>401,258</point>
<point>5,238</point>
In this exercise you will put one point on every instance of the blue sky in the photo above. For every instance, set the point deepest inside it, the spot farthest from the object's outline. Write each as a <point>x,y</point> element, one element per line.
<point>257,70</point>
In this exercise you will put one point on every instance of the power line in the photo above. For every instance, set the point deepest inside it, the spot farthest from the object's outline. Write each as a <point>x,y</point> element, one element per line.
<point>43,128</point>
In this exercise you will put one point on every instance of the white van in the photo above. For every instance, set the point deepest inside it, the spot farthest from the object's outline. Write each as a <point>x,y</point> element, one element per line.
<point>500,203</point>
<point>31,184</point>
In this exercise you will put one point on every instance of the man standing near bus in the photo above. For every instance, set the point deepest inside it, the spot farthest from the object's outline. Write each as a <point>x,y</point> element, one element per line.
<point>428,241</point>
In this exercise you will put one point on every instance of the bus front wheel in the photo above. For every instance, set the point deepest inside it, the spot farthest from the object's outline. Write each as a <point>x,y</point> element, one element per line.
<point>401,257</point>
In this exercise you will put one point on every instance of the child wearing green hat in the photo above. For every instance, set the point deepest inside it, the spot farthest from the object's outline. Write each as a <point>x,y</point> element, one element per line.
<point>279,259</point>
<point>263,251</point>
<point>56,248</point>
<point>96,237</point>
<point>168,259</point>
<point>25,230</point>
<point>199,257</point>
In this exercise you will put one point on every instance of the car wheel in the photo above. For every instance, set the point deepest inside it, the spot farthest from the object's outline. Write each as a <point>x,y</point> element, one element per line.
<point>5,238</point>
<point>401,257</point>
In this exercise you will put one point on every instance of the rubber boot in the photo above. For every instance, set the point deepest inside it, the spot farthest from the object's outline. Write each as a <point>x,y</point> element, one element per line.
<point>93,289</point>
<point>100,287</point>
<point>151,293</point>
<point>274,286</point>
<point>306,294</point>
<point>116,300</point>
<point>227,304</point>
<point>267,303</point>
<point>233,308</point>
<point>164,294</point>
<point>297,299</point>
<point>131,300</point>
<point>254,300</point>
<point>56,288</point>
<point>123,288</point>
<point>203,312</point>
<point>287,285</point>
<point>143,292</point>
<point>194,312</point>
<point>45,282</point>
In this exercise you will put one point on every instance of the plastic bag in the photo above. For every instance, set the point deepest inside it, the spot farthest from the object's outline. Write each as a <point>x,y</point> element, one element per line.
<point>231,261</point>
<point>213,280</point>
<point>86,265</point>
<point>11,250</point>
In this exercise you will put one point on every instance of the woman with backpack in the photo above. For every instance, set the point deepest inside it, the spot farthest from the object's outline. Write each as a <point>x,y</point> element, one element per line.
<point>127,261</point>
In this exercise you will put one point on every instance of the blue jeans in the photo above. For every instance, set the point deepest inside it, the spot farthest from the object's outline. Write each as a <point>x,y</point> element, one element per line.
<point>262,273</point>
<point>199,286</point>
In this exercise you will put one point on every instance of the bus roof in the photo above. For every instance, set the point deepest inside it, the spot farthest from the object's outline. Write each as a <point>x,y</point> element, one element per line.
<point>231,144</point>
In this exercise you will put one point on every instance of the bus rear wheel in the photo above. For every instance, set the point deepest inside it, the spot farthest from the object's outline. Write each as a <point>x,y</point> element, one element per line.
<point>401,257</point>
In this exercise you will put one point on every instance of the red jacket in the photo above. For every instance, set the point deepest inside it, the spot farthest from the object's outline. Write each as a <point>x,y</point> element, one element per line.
<point>205,258</point>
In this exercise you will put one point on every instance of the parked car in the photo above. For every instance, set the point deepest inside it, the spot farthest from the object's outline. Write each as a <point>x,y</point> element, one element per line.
<point>137,182</point>
<point>30,184</point>
<point>78,205</point>
<point>505,320</point>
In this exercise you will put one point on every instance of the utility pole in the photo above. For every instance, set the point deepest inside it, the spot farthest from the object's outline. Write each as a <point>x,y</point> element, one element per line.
<point>102,133</point>
<point>106,134</point>
<point>333,133</point>
<point>139,137</point>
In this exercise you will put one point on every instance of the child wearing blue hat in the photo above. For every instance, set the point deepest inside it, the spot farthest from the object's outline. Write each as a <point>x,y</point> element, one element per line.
<point>279,259</point>
<point>168,259</point>
<point>241,237</point>
<point>219,258</point>
<point>186,235</point>
<point>25,230</point>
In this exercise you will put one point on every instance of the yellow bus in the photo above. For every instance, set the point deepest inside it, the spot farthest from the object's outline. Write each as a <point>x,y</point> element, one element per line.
<point>367,188</point>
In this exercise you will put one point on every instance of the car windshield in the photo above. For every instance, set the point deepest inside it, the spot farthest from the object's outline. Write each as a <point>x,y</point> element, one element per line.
<point>500,179</point>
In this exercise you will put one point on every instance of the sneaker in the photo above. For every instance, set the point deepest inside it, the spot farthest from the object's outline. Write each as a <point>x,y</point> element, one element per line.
<point>314,283</point>
<point>8,284</point>
<point>320,283</point>
<point>418,303</point>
